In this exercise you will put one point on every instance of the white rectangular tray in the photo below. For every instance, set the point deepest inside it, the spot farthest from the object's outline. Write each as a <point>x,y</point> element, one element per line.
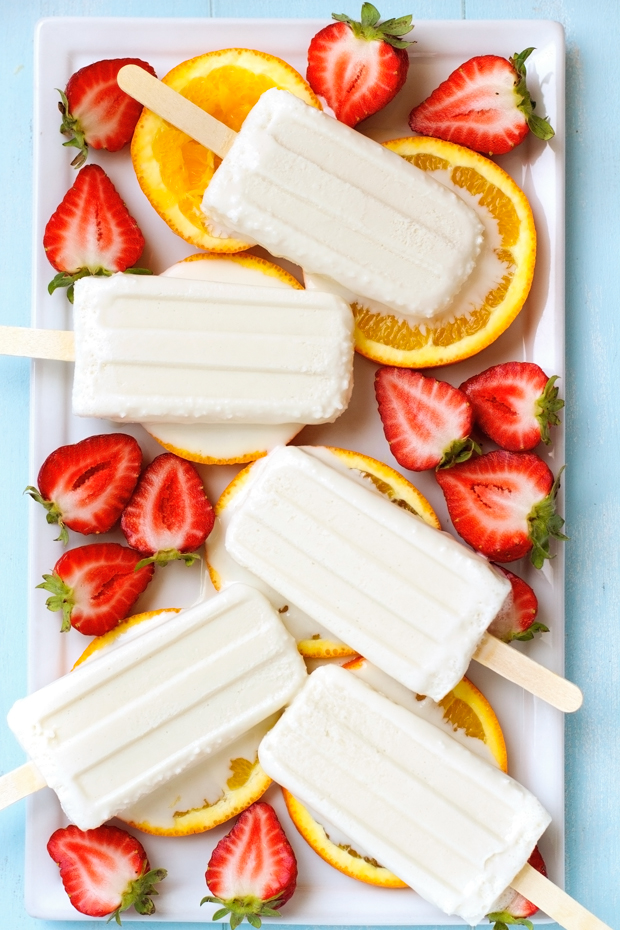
<point>534,731</point>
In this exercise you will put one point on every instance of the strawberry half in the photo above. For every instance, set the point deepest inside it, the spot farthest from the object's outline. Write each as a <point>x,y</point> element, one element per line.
<point>517,616</point>
<point>252,871</point>
<point>86,486</point>
<point>95,111</point>
<point>91,232</point>
<point>104,871</point>
<point>169,515</point>
<point>503,505</point>
<point>358,67</point>
<point>512,907</point>
<point>484,105</point>
<point>426,422</point>
<point>515,404</point>
<point>95,586</point>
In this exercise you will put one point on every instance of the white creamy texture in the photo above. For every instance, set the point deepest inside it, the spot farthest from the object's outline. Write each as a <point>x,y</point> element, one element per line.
<point>408,597</point>
<point>312,190</point>
<point>131,719</point>
<point>450,825</point>
<point>223,441</point>
<point>186,351</point>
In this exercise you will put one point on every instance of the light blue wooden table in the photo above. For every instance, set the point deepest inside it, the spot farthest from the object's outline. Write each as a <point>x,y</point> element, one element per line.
<point>593,350</point>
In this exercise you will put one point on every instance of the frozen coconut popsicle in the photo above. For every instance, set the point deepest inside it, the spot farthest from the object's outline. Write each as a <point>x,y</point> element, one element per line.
<point>125,722</point>
<point>445,821</point>
<point>163,349</point>
<point>408,597</point>
<point>312,190</point>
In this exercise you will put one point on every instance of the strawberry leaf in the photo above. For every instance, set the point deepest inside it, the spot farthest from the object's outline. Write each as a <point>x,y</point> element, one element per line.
<point>546,409</point>
<point>54,514</point>
<point>528,634</point>
<point>544,523</point>
<point>61,599</point>
<point>540,127</point>
<point>503,918</point>
<point>397,27</point>
<point>459,451</point>
<point>370,14</point>
<point>70,127</point>
<point>168,555</point>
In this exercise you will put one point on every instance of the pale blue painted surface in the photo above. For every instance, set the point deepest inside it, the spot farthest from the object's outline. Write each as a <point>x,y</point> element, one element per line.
<point>593,343</point>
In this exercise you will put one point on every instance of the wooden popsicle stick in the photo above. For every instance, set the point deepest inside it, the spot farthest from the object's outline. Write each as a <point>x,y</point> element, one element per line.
<point>37,343</point>
<point>516,667</point>
<point>20,782</point>
<point>176,109</point>
<point>553,901</point>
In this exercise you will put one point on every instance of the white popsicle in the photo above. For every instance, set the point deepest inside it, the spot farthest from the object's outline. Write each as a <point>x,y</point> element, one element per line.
<point>408,597</point>
<point>314,191</point>
<point>131,719</point>
<point>151,349</point>
<point>449,824</point>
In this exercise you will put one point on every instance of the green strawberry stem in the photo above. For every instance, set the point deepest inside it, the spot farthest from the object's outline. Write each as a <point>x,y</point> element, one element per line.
<point>528,634</point>
<point>61,599</point>
<point>68,278</point>
<point>503,918</point>
<point>459,451</point>
<point>248,907</point>
<point>544,523</point>
<point>70,126</point>
<point>168,555</point>
<point>54,514</point>
<point>371,29</point>
<point>546,409</point>
<point>539,126</point>
<point>138,894</point>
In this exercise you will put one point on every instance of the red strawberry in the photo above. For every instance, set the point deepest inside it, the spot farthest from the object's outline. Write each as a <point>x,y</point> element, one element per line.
<point>252,870</point>
<point>516,619</point>
<point>169,515</point>
<point>95,111</point>
<point>104,871</point>
<point>86,486</point>
<point>359,67</point>
<point>91,232</point>
<point>426,422</point>
<point>484,104</point>
<point>514,404</point>
<point>512,907</point>
<point>503,504</point>
<point>95,586</point>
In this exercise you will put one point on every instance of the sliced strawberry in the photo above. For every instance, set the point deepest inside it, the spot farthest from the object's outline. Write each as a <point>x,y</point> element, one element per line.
<point>358,67</point>
<point>96,111</point>
<point>426,422</point>
<point>91,232</point>
<point>515,404</point>
<point>484,104</point>
<point>104,871</point>
<point>95,586</point>
<point>511,907</point>
<point>169,515</point>
<point>503,504</point>
<point>517,617</point>
<point>86,486</point>
<point>252,871</point>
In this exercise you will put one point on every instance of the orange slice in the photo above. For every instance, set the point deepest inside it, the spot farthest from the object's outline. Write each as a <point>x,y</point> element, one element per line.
<point>172,169</point>
<point>224,443</point>
<point>224,570</point>
<point>497,289</point>
<point>464,709</point>
<point>233,778</point>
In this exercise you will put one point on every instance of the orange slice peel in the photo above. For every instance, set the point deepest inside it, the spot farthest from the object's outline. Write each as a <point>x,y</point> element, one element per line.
<point>172,169</point>
<point>469,325</point>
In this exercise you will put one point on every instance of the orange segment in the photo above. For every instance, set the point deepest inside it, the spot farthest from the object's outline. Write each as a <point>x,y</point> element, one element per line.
<point>478,315</point>
<point>466,709</point>
<point>223,570</point>
<point>173,170</point>
<point>238,781</point>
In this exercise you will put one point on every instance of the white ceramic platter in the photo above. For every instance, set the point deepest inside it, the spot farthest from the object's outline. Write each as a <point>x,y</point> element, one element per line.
<point>533,730</point>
